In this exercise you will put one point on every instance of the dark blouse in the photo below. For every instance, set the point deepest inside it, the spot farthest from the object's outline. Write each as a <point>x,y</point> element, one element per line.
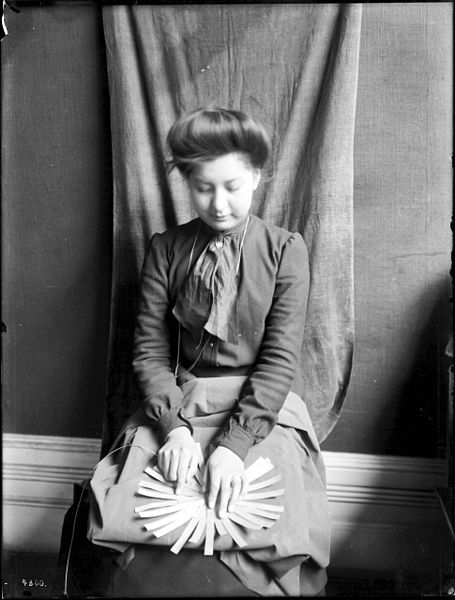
<point>270,312</point>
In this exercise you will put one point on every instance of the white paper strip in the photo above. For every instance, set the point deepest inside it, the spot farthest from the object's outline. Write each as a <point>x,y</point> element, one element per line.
<point>221,529</point>
<point>187,491</point>
<point>234,532</point>
<point>269,494</point>
<point>200,529</point>
<point>257,512</point>
<point>209,532</point>
<point>262,484</point>
<point>152,526</point>
<point>188,510</point>
<point>158,512</point>
<point>153,494</point>
<point>153,472</point>
<point>157,504</point>
<point>187,531</point>
<point>244,522</point>
<point>183,518</point>
<point>159,487</point>
<point>264,505</point>
<point>260,467</point>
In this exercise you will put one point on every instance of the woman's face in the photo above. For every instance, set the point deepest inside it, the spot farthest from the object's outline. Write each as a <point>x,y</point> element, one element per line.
<point>222,190</point>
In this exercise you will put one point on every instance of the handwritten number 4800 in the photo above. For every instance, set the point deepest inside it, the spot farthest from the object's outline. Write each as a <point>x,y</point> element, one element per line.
<point>33,583</point>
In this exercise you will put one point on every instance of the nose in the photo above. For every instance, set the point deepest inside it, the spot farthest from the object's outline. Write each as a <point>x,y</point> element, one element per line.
<point>219,201</point>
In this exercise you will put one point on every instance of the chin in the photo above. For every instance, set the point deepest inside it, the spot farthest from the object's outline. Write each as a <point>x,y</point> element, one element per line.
<point>219,225</point>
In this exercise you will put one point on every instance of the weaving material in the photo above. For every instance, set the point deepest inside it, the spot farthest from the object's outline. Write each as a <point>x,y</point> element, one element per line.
<point>166,512</point>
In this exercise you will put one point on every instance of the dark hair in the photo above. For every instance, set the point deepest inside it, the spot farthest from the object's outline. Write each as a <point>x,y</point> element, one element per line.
<point>207,133</point>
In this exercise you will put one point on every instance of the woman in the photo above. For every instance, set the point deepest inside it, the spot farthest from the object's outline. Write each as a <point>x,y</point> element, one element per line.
<point>217,345</point>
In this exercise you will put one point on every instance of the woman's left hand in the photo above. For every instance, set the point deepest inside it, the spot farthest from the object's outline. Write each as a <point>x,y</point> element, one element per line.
<point>224,479</point>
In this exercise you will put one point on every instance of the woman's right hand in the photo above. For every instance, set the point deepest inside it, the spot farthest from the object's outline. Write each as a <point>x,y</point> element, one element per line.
<point>178,458</point>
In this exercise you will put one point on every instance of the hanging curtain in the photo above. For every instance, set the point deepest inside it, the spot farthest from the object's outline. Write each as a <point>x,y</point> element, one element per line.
<point>294,68</point>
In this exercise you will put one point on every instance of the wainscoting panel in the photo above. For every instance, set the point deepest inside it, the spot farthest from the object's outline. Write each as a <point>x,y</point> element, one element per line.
<point>385,509</point>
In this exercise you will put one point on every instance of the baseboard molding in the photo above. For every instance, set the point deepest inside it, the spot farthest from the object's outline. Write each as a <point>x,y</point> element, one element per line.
<point>385,510</point>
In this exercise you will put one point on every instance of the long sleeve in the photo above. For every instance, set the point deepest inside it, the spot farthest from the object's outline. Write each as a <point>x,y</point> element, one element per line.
<point>152,364</point>
<point>266,388</point>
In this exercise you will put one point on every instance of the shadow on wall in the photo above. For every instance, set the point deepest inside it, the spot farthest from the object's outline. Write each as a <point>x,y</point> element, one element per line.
<point>421,415</point>
<point>396,531</point>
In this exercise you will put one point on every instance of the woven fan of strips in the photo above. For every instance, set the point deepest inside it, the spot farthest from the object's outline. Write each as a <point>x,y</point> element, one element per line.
<point>166,511</point>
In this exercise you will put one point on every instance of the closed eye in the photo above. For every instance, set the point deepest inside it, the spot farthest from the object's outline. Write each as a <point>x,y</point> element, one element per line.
<point>203,188</point>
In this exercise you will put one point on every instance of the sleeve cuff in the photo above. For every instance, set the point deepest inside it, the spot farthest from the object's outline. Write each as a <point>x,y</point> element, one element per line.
<point>169,420</point>
<point>237,439</point>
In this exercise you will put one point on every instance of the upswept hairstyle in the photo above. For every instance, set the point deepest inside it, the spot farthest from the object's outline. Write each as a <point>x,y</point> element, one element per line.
<point>208,133</point>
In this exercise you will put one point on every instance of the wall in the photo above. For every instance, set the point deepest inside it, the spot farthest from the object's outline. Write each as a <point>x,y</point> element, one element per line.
<point>56,220</point>
<point>402,210</point>
<point>57,205</point>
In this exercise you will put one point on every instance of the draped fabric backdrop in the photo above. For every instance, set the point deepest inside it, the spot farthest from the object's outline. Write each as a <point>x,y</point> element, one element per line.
<point>294,68</point>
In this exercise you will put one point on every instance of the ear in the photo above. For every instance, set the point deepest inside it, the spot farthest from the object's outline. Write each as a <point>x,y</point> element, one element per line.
<point>256,178</point>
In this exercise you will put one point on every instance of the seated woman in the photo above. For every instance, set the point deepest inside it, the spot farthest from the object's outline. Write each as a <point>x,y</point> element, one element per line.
<point>217,348</point>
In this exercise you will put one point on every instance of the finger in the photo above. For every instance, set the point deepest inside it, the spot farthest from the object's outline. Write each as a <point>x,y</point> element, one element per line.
<point>173,464</point>
<point>214,483</point>
<point>163,463</point>
<point>235,493</point>
<point>182,471</point>
<point>225,494</point>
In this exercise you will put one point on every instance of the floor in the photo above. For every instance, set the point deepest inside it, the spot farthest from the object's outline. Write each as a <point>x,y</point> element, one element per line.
<point>27,575</point>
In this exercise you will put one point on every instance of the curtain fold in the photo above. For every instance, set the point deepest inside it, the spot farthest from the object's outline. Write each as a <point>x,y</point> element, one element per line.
<point>294,68</point>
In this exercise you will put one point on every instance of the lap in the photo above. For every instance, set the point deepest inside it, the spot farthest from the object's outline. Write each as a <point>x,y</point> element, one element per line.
<point>300,536</point>
<point>154,571</point>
